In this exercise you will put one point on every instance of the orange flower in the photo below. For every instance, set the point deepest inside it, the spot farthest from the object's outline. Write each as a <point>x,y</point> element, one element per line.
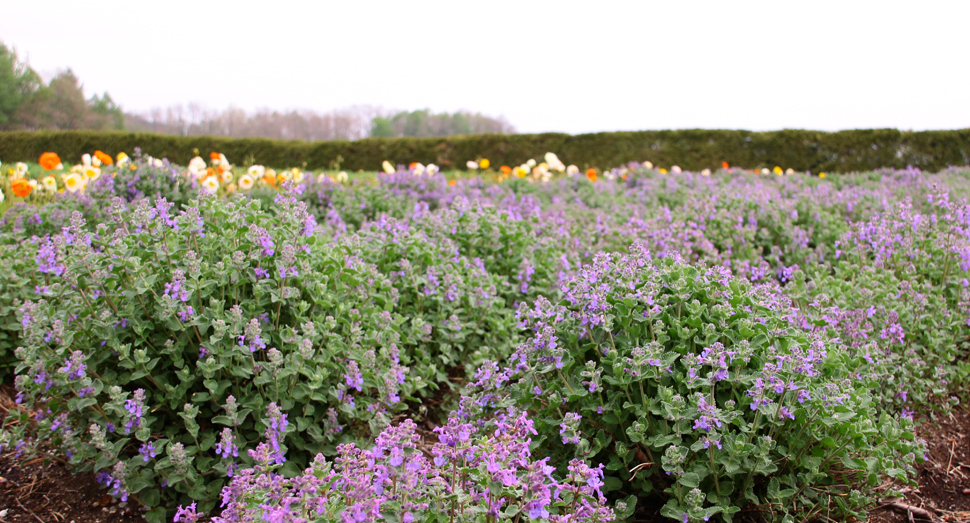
<point>21,187</point>
<point>105,158</point>
<point>452,182</point>
<point>506,170</point>
<point>413,165</point>
<point>724,165</point>
<point>49,161</point>
<point>591,174</point>
<point>213,156</point>
<point>269,179</point>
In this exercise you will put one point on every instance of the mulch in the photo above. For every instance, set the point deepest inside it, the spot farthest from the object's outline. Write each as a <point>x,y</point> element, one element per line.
<point>943,493</point>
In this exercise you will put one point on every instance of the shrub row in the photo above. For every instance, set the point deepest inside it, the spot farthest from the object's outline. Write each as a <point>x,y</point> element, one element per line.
<point>816,151</point>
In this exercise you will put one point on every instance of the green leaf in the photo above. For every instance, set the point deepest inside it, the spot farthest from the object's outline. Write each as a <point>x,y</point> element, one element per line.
<point>690,480</point>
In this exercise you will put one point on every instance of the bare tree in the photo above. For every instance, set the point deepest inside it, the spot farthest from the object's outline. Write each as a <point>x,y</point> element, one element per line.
<point>351,123</point>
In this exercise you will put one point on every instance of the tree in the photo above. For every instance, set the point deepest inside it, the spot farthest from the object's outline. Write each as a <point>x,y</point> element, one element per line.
<point>381,127</point>
<point>18,85</point>
<point>424,123</point>
<point>105,114</point>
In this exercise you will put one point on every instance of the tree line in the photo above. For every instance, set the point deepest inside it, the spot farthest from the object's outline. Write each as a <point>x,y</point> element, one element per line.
<point>28,103</point>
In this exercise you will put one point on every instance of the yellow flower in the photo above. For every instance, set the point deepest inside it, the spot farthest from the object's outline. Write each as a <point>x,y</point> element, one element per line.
<point>246,182</point>
<point>297,175</point>
<point>821,175</point>
<point>210,184</point>
<point>777,170</point>
<point>73,182</point>
<point>663,171</point>
<point>50,184</point>
<point>388,168</point>
<point>521,171</point>
<point>484,163</point>
<point>121,158</point>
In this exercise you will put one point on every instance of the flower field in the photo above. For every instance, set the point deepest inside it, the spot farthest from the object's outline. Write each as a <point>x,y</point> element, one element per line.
<point>523,343</point>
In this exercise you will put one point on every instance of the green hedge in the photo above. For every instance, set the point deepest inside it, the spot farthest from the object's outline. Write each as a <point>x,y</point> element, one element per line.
<point>693,149</point>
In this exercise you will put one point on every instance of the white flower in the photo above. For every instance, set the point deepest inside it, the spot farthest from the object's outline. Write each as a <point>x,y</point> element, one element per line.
<point>342,177</point>
<point>285,175</point>
<point>706,172</point>
<point>50,183</point>
<point>246,182</point>
<point>85,159</point>
<point>472,165</point>
<point>388,168</point>
<point>675,169</point>
<point>418,169</point>
<point>648,165</point>
<point>197,165</point>
<point>256,171</point>
<point>223,161</point>
<point>32,184</point>
<point>790,171</point>
<point>572,170</point>
<point>298,177</point>
<point>432,169</point>
<point>765,171</point>
<point>225,176</point>
<point>91,172</point>
<point>59,167</point>
<point>531,163</point>
<point>21,168</point>
<point>96,161</point>
<point>73,182</point>
<point>553,162</point>
<point>158,163</point>
<point>210,184</point>
<point>2,197</point>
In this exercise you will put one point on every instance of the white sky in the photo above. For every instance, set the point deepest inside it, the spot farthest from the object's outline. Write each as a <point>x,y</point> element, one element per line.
<point>546,66</point>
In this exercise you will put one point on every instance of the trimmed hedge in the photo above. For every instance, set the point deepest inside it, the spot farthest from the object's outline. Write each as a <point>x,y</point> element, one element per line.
<point>692,149</point>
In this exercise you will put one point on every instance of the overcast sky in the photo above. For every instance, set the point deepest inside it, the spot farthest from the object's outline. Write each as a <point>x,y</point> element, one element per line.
<point>546,66</point>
